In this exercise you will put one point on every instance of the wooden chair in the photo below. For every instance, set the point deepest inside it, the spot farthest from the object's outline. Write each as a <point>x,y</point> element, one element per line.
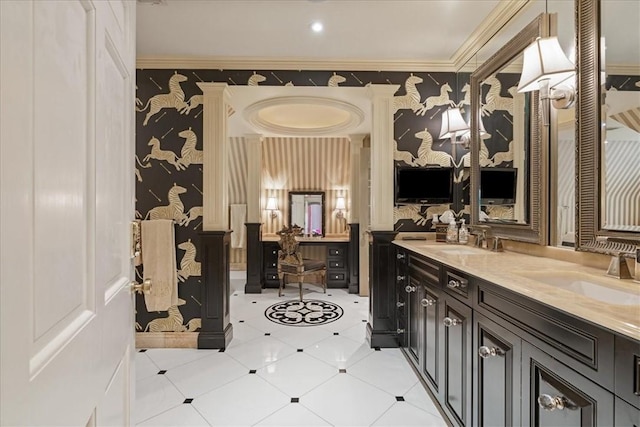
<point>291,263</point>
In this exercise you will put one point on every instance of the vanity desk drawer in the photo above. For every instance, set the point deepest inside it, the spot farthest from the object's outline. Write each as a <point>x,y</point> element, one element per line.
<point>458,285</point>
<point>628,370</point>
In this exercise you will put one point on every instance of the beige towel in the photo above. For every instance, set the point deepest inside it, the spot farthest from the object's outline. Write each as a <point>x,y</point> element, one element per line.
<point>237,217</point>
<point>159,264</point>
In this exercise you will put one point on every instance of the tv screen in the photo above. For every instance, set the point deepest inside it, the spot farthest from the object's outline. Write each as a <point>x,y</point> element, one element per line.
<point>498,186</point>
<point>426,186</point>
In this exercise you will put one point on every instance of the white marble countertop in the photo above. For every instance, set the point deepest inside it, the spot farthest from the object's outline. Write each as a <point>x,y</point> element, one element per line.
<point>326,239</point>
<point>526,275</point>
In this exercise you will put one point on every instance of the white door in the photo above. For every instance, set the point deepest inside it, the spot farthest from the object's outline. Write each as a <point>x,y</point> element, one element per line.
<point>67,82</point>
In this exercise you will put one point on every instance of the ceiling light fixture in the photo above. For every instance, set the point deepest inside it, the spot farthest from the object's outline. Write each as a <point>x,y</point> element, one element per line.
<point>317,27</point>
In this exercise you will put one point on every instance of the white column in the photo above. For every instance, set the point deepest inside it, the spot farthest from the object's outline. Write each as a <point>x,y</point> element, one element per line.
<point>382,156</point>
<point>354,184</point>
<point>365,212</point>
<point>254,176</point>
<point>215,199</point>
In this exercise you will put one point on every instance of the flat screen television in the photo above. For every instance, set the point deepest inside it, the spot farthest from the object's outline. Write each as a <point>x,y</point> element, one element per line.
<point>427,186</point>
<point>498,186</point>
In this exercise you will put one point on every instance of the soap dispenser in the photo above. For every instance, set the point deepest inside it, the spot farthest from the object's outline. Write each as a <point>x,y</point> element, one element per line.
<point>452,232</point>
<point>463,234</point>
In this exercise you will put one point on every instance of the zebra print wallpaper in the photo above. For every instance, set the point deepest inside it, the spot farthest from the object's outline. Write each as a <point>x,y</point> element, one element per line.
<point>169,152</point>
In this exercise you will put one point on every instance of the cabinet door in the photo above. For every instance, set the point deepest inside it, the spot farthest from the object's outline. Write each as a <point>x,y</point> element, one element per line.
<point>432,329</point>
<point>555,395</point>
<point>626,415</point>
<point>413,316</point>
<point>496,367</point>
<point>457,324</point>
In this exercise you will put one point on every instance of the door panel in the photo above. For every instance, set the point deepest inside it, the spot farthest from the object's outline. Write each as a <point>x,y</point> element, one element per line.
<point>413,318</point>
<point>432,346</point>
<point>66,325</point>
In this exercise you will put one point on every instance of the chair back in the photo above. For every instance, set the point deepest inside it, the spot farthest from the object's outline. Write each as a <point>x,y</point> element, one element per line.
<point>289,247</point>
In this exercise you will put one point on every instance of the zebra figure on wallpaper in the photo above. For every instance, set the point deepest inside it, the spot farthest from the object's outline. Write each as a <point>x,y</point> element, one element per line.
<point>466,89</point>
<point>193,213</point>
<point>174,210</point>
<point>433,101</point>
<point>193,324</point>
<point>189,154</point>
<point>173,99</point>
<point>500,212</point>
<point>188,264</point>
<point>503,156</point>
<point>159,154</point>
<point>484,157</point>
<point>171,323</point>
<point>494,101</point>
<point>403,156</point>
<point>193,102</point>
<point>428,156</point>
<point>148,165</point>
<point>436,210</point>
<point>255,79</point>
<point>411,212</point>
<point>335,80</point>
<point>411,100</point>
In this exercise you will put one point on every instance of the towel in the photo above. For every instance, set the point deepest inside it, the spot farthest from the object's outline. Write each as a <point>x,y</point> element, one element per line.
<point>159,264</point>
<point>237,217</point>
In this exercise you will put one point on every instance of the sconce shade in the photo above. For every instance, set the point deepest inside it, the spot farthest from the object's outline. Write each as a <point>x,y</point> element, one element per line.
<point>272,204</point>
<point>483,132</point>
<point>341,204</point>
<point>544,59</point>
<point>452,124</point>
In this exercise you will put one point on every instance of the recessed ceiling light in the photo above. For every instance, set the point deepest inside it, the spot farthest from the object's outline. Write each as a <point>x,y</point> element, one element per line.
<point>317,27</point>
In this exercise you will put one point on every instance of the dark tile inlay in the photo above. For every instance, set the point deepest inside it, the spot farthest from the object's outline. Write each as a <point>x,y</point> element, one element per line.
<point>342,371</point>
<point>240,321</point>
<point>300,350</point>
<point>355,302</point>
<point>400,398</point>
<point>364,320</point>
<point>336,333</point>
<point>376,348</point>
<point>328,295</point>
<point>188,400</point>
<point>266,334</point>
<point>221,350</point>
<point>142,350</point>
<point>162,372</point>
<point>252,371</point>
<point>254,302</point>
<point>295,400</point>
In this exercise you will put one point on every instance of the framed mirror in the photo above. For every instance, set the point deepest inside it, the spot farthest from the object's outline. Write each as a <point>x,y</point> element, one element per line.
<point>509,145</point>
<point>306,209</point>
<point>608,138</point>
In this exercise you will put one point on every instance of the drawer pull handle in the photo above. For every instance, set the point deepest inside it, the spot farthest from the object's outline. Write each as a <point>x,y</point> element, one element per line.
<point>454,284</point>
<point>399,304</point>
<point>400,256</point>
<point>448,321</point>
<point>486,352</point>
<point>410,288</point>
<point>400,331</point>
<point>399,278</point>
<point>426,302</point>
<point>549,403</point>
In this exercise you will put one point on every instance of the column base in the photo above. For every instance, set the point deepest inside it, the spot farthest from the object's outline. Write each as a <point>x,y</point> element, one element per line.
<point>382,339</point>
<point>215,340</point>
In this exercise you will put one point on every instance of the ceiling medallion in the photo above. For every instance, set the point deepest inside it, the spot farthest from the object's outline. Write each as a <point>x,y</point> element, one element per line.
<point>304,116</point>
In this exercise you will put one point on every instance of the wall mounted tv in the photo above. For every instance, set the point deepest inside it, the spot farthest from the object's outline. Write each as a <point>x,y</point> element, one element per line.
<point>498,186</point>
<point>427,186</point>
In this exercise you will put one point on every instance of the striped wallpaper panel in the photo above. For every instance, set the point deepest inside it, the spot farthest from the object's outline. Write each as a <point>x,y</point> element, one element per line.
<point>237,170</point>
<point>622,188</point>
<point>566,189</point>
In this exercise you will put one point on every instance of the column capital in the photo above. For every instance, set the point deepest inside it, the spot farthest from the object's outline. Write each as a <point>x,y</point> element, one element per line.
<point>382,90</point>
<point>214,87</point>
<point>357,139</point>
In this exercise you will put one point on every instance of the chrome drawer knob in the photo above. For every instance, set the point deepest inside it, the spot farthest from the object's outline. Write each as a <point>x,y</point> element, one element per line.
<point>400,331</point>
<point>486,352</point>
<point>549,403</point>
<point>410,288</point>
<point>399,278</point>
<point>426,302</point>
<point>454,284</point>
<point>400,256</point>
<point>448,321</point>
<point>399,304</point>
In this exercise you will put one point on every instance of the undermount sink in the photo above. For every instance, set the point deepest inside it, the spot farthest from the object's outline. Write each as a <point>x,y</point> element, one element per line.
<point>464,251</point>
<point>586,285</point>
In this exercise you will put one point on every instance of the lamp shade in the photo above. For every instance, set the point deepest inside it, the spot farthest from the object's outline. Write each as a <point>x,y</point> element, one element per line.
<point>340,203</point>
<point>544,59</point>
<point>272,204</point>
<point>452,124</point>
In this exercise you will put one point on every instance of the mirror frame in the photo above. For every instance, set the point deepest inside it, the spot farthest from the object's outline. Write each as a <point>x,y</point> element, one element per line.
<point>590,237</point>
<point>536,230</point>
<point>312,193</point>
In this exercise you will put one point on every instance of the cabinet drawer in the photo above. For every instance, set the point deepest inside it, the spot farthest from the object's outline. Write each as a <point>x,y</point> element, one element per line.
<point>271,277</point>
<point>427,269</point>
<point>457,285</point>
<point>336,251</point>
<point>582,346</point>
<point>336,263</point>
<point>628,370</point>
<point>270,264</point>
<point>626,415</point>
<point>336,277</point>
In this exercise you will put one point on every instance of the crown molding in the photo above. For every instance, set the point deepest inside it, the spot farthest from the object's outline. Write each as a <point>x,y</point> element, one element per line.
<point>492,24</point>
<point>255,63</point>
<point>623,69</point>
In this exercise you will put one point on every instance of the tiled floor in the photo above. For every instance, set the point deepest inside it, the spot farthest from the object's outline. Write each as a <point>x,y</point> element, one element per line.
<point>274,375</point>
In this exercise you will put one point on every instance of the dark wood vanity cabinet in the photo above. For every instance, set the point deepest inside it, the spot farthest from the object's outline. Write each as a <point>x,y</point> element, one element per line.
<point>492,357</point>
<point>270,264</point>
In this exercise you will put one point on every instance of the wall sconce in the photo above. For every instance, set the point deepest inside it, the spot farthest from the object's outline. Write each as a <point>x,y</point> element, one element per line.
<point>466,136</point>
<point>544,68</point>
<point>453,125</point>
<point>272,207</point>
<point>341,206</point>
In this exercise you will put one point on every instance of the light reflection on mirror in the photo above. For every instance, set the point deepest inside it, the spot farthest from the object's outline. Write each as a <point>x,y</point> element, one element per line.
<point>306,209</point>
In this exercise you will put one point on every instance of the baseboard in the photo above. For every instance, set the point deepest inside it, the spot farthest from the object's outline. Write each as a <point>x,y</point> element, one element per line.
<point>167,339</point>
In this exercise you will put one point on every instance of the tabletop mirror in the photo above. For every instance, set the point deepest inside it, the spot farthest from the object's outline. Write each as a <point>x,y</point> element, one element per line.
<point>608,110</point>
<point>306,209</point>
<point>509,145</point>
